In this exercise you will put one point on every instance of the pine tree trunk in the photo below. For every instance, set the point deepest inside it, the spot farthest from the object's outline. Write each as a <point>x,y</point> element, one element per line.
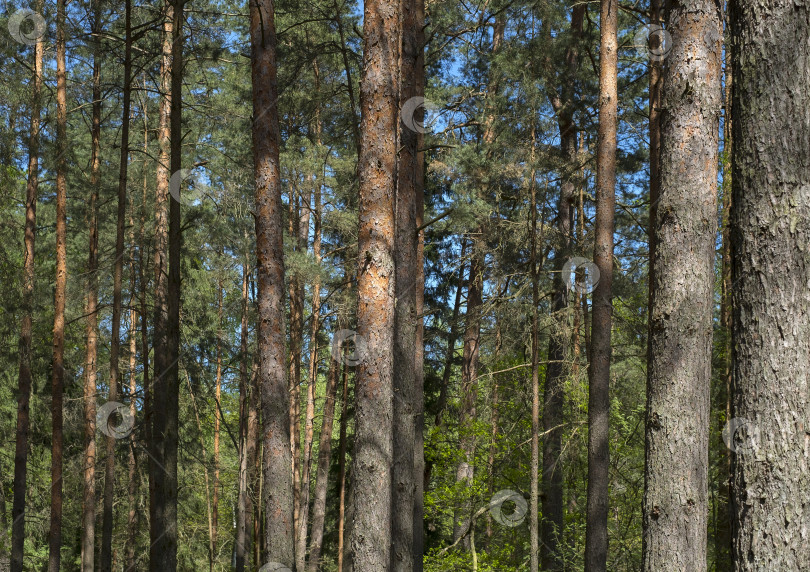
<point>771,322</point>
<point>370,535</point>
<point>58,366</point>
<point>677,437</point>
<point>406,394</point>
<point>296,293</point>
<point>279,531</point>
<point>534,531</point>
<point>160,253</point>
<point>596,538</point>
<point>344,419</point>
<point>324,457</point>
<point>115,342</point>
<point>90,310</point>
<point>551,491</point>
<point>24,379</point>
<point>217,399</point>
<point>132,478</point>
<point>243,510</point>
<point>315,326</point>
<point>163,551</point>
<point>143,283</point>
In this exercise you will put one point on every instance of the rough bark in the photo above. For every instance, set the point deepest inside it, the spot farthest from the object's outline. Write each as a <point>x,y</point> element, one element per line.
<point>90,309</point>
<point>370,535</point>
<point>596,537</point>
<point>160,289</point>
<point>58,366</point>
<point>28,277</point>
<point>771,322</point>
<point>406,394</point>
<point>277,487</point>
<point>677,435</point>
<point>163,551</point>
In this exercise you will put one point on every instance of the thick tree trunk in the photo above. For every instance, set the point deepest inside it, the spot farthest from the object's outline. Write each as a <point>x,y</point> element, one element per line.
<point>163,551</point>
<point>58,366</point>
<point>279,529</point>
<point>115,342</point>
<point>406,394</point>
<point>160,253</point>
<point>24,379</point>
<point>771,317</point>
<point>596,538</point>
<point>90,309</point>
<point>677,437</point>
<point>370,538</point>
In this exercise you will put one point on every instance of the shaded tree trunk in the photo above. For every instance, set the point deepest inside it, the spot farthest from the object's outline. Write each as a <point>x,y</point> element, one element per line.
<point>344,419</point>
<point>596,538</point>
<point>279,531</point>
<point>370,538</point>
<point>315,326</point>
<point>132,477</point>
<point>677,437</point>
<point>58,366</point>
<point>534,531</point>
<point>160,253</point>
<point>163,551</point>
<point>406,393</point>
<point>324,457</point>
<point>28,277</point>
<point>551,491</point>
<point>90,310</point>
<point>770,224</point>
<point>244,502</point>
